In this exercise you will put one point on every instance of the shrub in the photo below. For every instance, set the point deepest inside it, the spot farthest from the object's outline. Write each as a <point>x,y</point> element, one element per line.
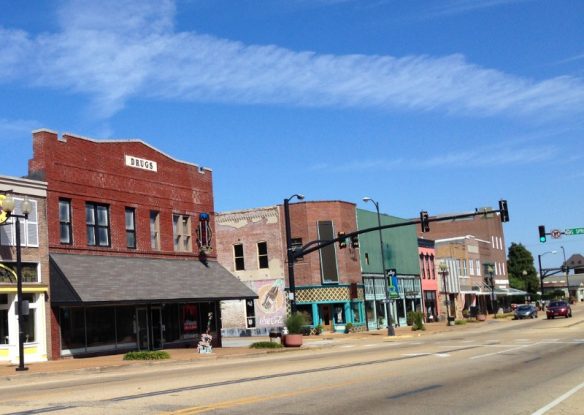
<point>460,322</point>
<point>150,355</point>
<point>349,328</point>
<point>318,329</point>
<point>265,345</point>
<point>418,321</point>
<point>294,323</point>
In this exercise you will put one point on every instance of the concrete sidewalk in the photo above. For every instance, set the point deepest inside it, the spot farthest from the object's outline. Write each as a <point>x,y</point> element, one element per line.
<point>233,347</point>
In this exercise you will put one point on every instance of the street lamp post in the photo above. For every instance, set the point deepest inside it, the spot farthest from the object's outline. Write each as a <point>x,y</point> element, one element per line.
<point>8,206</point>
<point>492,286</point>
<point>289,252</point>
<point>390,328</point>
<point>540,273</point>
<point>444,272</point>
<point>566,272</point>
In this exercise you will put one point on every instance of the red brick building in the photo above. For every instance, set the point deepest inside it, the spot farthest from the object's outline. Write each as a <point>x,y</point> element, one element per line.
<point>327,281</point>
<point>250,244</point>
<point>131,244</point>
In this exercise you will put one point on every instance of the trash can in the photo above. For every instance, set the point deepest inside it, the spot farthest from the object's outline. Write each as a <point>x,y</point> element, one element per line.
<point>276,332</point>
<point>451,320</point>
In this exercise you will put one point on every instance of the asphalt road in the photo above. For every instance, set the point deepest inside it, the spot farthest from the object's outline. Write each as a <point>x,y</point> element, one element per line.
<point>503,367</point>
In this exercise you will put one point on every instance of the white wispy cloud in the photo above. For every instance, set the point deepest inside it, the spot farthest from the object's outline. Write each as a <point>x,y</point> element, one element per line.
<point>453,7</point>
<point>489,157</point>
<point>115,50</point>
<point>16,129</point>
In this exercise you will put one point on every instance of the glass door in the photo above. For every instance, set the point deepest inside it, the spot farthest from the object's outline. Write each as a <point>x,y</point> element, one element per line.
<point>156,328</point>
<point>142,328</point>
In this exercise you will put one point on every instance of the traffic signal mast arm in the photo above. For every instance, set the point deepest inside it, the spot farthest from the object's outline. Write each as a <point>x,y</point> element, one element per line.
<point>319,244</point>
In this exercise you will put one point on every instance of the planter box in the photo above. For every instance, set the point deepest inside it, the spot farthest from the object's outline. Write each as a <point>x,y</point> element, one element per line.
<point>292,340</point>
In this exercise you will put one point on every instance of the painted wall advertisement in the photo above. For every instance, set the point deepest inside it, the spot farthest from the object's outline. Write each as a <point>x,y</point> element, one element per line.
<point>271,302</point>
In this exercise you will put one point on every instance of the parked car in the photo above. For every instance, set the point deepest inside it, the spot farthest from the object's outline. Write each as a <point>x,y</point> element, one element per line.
<point>558,309</point>
<point>525,311</point>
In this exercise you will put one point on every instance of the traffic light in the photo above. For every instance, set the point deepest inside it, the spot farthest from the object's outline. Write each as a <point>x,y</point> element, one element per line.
<point>424,221</point>
<point>503,210</point>
<point>355,241</point>
<point>342,240</point>
<point>542,237</point>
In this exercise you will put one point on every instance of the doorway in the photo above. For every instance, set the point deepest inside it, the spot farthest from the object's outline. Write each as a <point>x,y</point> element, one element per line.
<point>325,312</point>
<point>149,328</point>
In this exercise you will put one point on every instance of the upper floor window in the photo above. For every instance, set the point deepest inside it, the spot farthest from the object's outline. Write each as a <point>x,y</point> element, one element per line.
<point>478,267</point>
<point>181,225</point>
<point>263,254</point>
<point>328,254</point>
<point>29,228</point>
<point>131,228</point>
<point>238,257</point>
<point>65,229</point>
<point>471,267</point>
<point>97,221</point>
<point>155,230</point>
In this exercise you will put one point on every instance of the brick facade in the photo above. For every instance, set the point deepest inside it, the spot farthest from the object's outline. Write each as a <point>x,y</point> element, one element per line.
<point>82,170</point>
<point>304,218</point>
<point>121,174</point>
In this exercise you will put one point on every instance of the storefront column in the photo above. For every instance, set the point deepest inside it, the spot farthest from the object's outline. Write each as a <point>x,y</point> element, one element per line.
<point>315,316</point>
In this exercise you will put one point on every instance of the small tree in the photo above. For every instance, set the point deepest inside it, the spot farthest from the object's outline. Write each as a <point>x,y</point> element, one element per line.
<point>522,273</point>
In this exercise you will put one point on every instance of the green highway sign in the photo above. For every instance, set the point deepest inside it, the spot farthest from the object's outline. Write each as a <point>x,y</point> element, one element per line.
<point>574,231</point>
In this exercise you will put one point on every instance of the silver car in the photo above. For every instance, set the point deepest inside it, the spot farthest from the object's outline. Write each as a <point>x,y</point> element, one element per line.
<point>525,311</point>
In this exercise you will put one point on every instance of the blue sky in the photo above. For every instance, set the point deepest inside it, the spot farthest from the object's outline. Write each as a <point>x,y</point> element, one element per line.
<point>443,105</point>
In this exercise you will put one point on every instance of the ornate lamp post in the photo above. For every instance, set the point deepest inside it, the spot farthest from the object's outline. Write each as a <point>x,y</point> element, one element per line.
<point>540,273</point>
<point>490,271</point>
<point>390,329</point>
<point>444,272</point>
<point>289,253</point>
<point>8,206</point>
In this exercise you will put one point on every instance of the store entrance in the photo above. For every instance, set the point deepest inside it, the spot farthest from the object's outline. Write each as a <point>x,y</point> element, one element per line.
<point>149,328</point>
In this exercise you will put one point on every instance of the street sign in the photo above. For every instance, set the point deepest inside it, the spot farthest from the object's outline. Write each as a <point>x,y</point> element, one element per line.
<point>574,231</point>
<point>556,233</point>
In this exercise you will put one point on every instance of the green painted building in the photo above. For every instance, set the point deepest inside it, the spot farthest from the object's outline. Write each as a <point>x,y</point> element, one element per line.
<point>400,251</point>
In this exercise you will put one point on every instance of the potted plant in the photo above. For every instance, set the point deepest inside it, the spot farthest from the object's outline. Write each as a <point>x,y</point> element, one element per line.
<point>294,324</point>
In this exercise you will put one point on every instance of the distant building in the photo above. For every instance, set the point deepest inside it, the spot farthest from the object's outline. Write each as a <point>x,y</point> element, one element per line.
<point>131,243</point>
<point>402,265</point>
<point>250,245</point>
<point>35,273</point>
<point>430,279</point>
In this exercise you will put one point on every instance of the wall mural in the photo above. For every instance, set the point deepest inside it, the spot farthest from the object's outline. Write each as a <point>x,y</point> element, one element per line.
<point>271,304</point>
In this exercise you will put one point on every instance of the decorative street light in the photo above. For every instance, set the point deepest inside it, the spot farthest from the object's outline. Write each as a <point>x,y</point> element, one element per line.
<point>444,272</point>
<point>8,206</point>
<point>566,272</point>
<point>390,329</point>
<point>540,273</point>
<point>289,252</point>
<point>492,286</point>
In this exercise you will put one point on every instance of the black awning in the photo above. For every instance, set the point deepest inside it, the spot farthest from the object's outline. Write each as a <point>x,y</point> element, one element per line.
<point>78,279</point>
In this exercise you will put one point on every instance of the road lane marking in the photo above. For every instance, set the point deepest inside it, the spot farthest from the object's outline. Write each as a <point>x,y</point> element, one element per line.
<point>500,352</point>
<point>559,400</point>
<point>256,399</point>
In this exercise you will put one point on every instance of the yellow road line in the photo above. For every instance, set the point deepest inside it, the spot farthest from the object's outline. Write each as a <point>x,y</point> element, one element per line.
<point>255,399</point>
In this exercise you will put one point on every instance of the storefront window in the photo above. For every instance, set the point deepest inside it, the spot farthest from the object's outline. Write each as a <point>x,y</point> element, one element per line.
<point>339,314</point>
<point>172,322</point>
<point>4,327</point>
<point>189,320</point>
<point>29,326</point>
<point>100,326</point>
<point>356,312</point>
<point>72,328</point>
<point>126,335</point>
